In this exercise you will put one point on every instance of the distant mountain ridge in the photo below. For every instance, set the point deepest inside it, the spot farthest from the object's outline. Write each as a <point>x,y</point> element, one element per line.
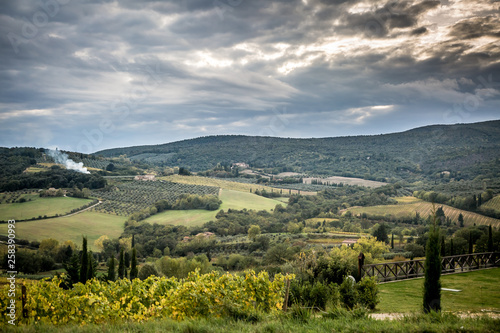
<point>466,150</point>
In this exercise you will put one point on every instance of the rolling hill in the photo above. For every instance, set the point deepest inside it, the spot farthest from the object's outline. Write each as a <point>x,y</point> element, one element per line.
<point>465,150</point>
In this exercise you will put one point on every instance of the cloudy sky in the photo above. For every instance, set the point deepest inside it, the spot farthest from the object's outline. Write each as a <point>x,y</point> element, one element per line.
<point>89,75</point>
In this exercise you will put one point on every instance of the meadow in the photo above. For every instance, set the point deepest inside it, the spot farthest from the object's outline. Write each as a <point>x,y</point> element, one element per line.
<point>407,207</point>
<point>231,199</point>
<point>90,224</point>
<point>38,206</point>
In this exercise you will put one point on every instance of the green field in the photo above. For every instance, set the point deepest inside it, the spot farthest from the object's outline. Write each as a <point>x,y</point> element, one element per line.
<point>39,207</point>
<point>90,224</point>
<point>408,207</point>
<point>479,291</point>
<point>231,199</point>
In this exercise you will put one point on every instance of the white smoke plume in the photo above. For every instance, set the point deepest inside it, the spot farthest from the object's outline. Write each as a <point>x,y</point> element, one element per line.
<point>63,159</point>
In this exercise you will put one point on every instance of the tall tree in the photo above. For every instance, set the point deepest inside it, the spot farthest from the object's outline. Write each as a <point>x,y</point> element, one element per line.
<point>133,241</point>
<point>392,241</point>
<point>84,262</point>
<point>111,269</point>
<point>443,247</point>
<point>470,243</point>
<point>381,233</point>
<point>133,270</point>
<point>490,239</point>
<point>461,220</point>
<point>127,259</point>
<point>121,266</point>
<point>73,269</point>
<point>92,267</point>
<point>432,283</point>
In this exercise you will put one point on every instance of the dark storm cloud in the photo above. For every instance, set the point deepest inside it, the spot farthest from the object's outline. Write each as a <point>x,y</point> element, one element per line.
<point>168,70</point>
<point>394,14</point>
<point>477,27</point>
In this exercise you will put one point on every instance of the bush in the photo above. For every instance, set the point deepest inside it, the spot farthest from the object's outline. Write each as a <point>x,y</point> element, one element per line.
<point>416,249</point>
<point>315,295</point>
<point>348,293</point>
<point>368,291</point>
<point>146,271</point>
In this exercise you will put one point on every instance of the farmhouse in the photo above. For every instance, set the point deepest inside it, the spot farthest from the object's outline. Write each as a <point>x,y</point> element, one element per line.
<point>349,241</point>
<point>145,177</point>
<point>241,165</point>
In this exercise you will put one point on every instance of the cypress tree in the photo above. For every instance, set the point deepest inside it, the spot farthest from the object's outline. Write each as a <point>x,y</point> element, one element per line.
<point>432,283</point>
<point>111,269</point>
<point>461,220</point>
<point>443,247</point>
<point>490,239</point>
<point>133,240</point>
<point>133,270</point>
<point>91,268</point>
<point>392,241</point>
<point>73,269</point>
<point>127,260</point>
<point>470,242</point>
<point>121,266</point>
<point>84,262</point>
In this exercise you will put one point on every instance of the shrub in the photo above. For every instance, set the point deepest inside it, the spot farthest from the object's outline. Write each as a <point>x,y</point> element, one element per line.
<point>316,295</point>
<point>368,291</point>
<point>348,293</point>
<point>146,271</point>
<point>416,249</point>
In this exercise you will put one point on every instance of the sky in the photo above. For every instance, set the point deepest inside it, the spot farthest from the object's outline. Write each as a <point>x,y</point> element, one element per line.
<point>91,75</point>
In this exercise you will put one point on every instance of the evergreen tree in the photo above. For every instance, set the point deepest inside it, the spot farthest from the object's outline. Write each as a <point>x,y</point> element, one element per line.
<point>490,239</point>
<point>381,234</point>
<point>392,241</point>
<point>432,283</point>
<point>461,220</point>
<point>133,240</point>
<point>133,270</point>
<point>84,262</point>
<point>92,267</point>
<point>443,247</point>
<point>121,266</point>
<point>73,269</point>
<point>470,243</point>
<point>127,260</point>
<point>111,269</point>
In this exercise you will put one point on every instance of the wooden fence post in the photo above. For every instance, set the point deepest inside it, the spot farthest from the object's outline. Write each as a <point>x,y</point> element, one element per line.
<point>361,262</point>
<point>287,292</point>
<point>23,301</point>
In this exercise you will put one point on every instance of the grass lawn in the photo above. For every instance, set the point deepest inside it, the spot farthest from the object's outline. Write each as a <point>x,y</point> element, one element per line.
<point>230,199</point>
<point>90,224</point>
<point>479,290</point>
<point>39,207</point>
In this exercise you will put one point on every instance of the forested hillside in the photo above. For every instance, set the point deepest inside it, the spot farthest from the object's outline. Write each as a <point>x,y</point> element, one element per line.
<point>463,150</point>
